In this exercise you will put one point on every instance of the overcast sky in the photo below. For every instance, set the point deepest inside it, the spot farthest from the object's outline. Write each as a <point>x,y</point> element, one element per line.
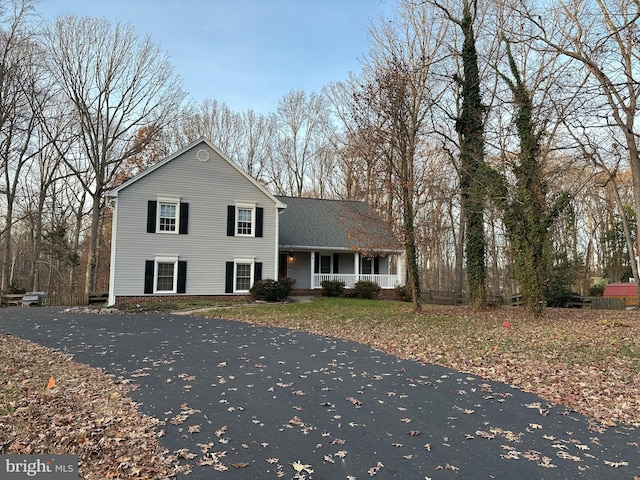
<point>246,53</point>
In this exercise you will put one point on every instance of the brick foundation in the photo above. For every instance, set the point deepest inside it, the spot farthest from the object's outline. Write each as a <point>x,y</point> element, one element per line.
<point>142,299</point>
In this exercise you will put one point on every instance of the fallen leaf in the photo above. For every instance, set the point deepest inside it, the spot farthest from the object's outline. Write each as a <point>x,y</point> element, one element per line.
<point>299,467</point>
<point>616,464</point>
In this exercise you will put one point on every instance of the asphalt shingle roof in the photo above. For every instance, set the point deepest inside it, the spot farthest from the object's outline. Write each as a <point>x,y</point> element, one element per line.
<point>333,224</point>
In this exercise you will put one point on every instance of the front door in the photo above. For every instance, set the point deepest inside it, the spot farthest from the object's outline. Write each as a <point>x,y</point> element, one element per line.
<point>283,270</point>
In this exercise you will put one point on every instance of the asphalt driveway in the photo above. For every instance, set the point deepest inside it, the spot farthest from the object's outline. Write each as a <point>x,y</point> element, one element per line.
<point>241,401</point>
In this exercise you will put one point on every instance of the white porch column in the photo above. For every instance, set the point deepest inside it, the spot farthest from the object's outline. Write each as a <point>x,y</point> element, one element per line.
<point>313,261</point>
<point>356,265</point>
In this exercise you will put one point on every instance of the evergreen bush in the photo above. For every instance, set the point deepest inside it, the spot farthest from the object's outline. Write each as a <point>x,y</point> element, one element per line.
<point>332,288</point>
<point>269,290</point>
<point>364,289</point>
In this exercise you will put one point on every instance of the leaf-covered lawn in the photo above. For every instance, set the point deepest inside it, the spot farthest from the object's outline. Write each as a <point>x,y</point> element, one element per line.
<point>588,360</point>
<point>92,416</point>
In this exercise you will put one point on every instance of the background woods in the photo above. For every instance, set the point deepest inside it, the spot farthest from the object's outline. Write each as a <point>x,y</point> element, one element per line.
<point>497,138</point>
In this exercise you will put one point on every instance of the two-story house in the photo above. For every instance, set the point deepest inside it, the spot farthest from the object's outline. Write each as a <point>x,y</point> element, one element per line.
<point>195,224</point>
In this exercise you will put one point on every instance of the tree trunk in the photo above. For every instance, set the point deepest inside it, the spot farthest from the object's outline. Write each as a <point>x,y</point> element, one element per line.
<point>92,257</point>
<point>6,254</point>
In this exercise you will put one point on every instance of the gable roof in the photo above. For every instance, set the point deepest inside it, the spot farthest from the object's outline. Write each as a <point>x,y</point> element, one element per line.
<point>312,223</point>
<point>114,191</point>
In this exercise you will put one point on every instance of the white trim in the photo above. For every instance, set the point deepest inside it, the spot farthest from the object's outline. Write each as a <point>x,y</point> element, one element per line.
<point>159,260</point>
<point>245,206</point>
<point>313,267</point>
<point>112,267</point>
<point>168,201</point>
<point>243,261</point>
<point>277,253</point>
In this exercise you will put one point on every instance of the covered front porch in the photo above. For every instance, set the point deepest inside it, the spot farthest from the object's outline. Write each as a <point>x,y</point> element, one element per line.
<point>310,268</point>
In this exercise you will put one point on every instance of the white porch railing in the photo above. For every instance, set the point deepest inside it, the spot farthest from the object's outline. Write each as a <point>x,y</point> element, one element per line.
<point>385,281</point>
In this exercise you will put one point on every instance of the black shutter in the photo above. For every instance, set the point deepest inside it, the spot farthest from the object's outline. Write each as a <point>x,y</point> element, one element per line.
<point>149,266</point>
<point>182,277</point>
<point>257,272</point>
<point>228,279</point>
<point>184,218</point>
<point>376,265</point>
<point>152,208</point>
<point>231,221</point>
<point>259,220</point>
<point>336,261</point>
<point>316,263</point>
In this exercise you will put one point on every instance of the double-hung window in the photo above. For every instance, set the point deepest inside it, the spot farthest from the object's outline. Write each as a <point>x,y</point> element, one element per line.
<point>241,274</point>
<point>167,215</point>
<point>366,266</point>
<point>243,277</point>
<point>167,219</point>
<point>164,275</point>
<point>245,220</point>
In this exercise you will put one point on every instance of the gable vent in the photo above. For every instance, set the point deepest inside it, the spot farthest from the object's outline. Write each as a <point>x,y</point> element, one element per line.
<point>203,155</point>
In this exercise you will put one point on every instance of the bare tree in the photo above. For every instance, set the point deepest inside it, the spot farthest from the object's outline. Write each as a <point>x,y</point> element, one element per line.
<point>115,83</point>
<point>19,87</point>
<point>605,44</point>
<point>302,126</point>
<point>390,112</point>
<point>215,121</point>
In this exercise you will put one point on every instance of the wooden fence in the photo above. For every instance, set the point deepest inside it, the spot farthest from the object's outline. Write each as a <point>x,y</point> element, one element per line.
<point>444,297</point>
<point>59,299</point>
<point>441,297</point>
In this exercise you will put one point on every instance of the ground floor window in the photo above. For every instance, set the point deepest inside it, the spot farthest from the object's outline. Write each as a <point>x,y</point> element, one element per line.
<point>243,276</point>
<point>325,264</point>
<point>366,266</point>
<point>165,277</point>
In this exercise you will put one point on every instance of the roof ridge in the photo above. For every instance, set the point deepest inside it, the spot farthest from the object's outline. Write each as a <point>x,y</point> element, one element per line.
<point>322,199</point>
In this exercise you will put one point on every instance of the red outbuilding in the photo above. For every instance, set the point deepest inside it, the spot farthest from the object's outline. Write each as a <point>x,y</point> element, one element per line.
<point>624,291</point>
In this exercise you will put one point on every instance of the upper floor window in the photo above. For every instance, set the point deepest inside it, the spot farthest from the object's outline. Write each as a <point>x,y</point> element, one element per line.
<point>167,217</point>
<point>245,221</point>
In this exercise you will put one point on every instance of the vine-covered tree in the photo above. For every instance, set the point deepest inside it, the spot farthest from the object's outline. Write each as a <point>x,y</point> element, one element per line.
<point>470,129</point>
<point>527,217</point>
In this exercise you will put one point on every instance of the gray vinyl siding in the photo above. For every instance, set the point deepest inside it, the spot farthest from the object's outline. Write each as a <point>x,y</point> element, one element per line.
<point>208,187</point>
